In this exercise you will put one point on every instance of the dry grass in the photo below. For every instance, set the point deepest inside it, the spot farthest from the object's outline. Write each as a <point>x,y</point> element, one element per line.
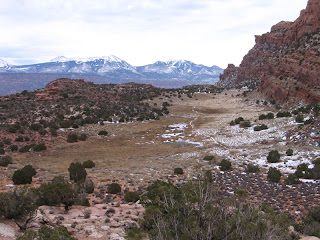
<point>136,151</point>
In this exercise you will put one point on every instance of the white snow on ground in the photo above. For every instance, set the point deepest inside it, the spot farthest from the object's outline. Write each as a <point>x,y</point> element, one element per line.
<point>178,127</point>
<point>243,145</point>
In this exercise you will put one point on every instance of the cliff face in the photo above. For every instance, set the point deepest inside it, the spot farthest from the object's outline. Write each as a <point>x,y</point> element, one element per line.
<point>286,60</point>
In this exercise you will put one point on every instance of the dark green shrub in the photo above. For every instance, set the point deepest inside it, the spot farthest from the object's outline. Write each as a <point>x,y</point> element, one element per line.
<point>77,172</point>
<point>232,123</point>
<point>299,118</point>
<point>30,170</point>
<point>5,161</point>
<point>273,156</point>
<point>114,188</point>
<point>40,147</point>
<point>283,114</point>
<point>178,171</point>
<point>72,137</point>
<point>270,116</point>
<point>292,179</point>
<point>82,137</point>
<point>2,151</point>
<point>238,120</point>
<point>19,139</point>
<point>131,197</point>
<point>260,128</point>
<point>274,175</point>
<point>289,152</point>
<point>103,133</point>
<point>14,148</point>
<point>21,177</point>
<point>262,117</point>
<point>252,168</point>
<point>225,165</point>
<point>209,158</point>
<point>35,126</point>
<point>88,164</point>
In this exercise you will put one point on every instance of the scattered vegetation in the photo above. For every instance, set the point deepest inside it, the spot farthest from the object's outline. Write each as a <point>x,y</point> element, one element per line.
<point>273,156</point>
<point>178,171</point>
<point>131,197</point>
<point>251,168</point>
<point>274,175</point>
<point>114,188</point>
<point>225,165</point>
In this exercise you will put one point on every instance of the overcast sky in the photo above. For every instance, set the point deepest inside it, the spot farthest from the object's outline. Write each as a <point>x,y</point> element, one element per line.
<point>209,32</point>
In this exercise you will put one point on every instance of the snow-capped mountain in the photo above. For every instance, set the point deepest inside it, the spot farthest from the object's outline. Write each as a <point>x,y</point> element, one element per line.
<point>180,69</point>
<point>110,69</point>
<point>4,65</point>
<point>116,68</point>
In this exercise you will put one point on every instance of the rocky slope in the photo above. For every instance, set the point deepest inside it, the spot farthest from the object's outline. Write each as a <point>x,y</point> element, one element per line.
<point>286,60</point>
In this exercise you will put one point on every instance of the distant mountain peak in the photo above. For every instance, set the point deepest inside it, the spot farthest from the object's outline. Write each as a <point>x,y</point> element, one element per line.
<point>60,59</point>
<point>4,64</point>
<point>110,58</point>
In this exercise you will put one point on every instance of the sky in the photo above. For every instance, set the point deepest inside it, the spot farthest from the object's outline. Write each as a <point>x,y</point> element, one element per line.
<point>209,32</point>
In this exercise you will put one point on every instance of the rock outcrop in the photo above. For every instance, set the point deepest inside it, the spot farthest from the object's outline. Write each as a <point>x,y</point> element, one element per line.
<point>286,60</point>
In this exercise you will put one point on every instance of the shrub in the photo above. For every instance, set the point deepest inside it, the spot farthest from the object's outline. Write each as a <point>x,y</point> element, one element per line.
<point>131,197</point>
<point>273,156</point>
<point>14,148</point>
<point>289,152</point>
<point>178,171</point>
<point>40,147</point>
<point>77,172</point>
<point>252,168</point>
<point>270,116</point>
<point>72,137</point>
<point>238,120</point>
<point>88,164</point>
<point>283,114</point>
<point>114,188</point>
<point>260,128</point>
<point>209,158</point>
<point>262,117</point>
<point>225,165</point>
<point>232,123</point>
<point>2,151</point>
<point>30,170</point>
<point>274,175</point>
<point>21,177</point>
<point>299,118</point>
<point>245,124</point>
<point>292,179</point>
<point>5,161</point>
<point>103,133</point>
<point>82,137</point>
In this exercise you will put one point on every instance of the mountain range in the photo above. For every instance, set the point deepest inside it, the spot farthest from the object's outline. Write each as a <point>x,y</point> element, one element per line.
<point>111,69</point>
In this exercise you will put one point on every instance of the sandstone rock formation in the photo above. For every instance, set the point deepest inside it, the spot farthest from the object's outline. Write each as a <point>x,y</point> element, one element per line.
<point>286,60</point>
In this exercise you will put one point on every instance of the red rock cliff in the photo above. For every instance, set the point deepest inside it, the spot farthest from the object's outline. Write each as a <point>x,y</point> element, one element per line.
<point>286,60</point>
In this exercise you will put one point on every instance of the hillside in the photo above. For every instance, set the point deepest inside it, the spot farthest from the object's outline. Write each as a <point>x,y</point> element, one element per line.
<point>286,61</point>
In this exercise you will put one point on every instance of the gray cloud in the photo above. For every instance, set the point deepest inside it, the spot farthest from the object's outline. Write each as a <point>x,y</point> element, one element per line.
<point>140,31</point>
